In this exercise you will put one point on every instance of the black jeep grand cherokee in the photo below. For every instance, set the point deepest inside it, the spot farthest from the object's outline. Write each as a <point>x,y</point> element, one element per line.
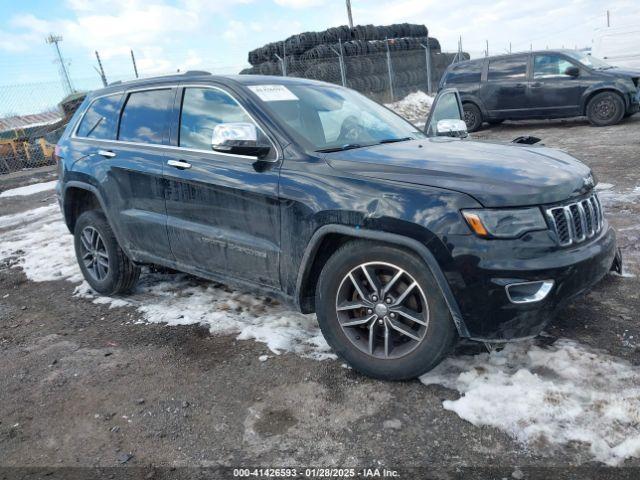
<point>399,240</point>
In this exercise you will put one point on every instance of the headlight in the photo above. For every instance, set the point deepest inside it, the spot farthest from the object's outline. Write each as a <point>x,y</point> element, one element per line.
<point>504,223</point>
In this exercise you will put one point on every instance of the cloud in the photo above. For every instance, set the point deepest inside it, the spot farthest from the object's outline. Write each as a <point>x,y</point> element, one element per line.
<point>299,3</point>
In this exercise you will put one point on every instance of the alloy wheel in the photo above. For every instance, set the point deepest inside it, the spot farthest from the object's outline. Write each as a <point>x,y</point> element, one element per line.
<point>382,310</point>
<point>94,253</point>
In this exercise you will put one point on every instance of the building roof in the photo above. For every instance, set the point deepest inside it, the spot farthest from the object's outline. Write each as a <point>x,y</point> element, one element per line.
<point>29,121</point>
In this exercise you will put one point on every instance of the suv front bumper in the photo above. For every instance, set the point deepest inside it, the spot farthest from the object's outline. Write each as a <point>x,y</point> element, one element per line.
<point>483,268</point>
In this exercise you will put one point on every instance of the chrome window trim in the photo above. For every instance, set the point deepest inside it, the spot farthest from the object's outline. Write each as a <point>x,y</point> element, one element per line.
<point>126,93</point>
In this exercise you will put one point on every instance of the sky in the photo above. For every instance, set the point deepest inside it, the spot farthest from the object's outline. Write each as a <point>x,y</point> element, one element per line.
<point>215,35</point>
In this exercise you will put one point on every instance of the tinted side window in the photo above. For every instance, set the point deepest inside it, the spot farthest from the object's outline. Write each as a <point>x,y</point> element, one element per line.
<point>202,110</point>
<point>550,66</point>
<point>101,118</point>
<point>145,115</point>
<point>467,73</point>
<point>512,68</point>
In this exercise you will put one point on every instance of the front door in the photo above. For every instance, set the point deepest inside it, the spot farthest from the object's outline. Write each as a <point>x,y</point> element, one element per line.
<point>223,212</point>
<point>553,92</point>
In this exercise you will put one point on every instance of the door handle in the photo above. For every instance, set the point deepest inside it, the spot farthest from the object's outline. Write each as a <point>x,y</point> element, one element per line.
<point>181,164</point>
<point>106,153</point>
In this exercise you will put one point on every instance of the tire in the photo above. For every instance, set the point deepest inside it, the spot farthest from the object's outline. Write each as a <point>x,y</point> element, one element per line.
<point>604,109</point>
<point>405,357</point>
<point>120,274</point>
<point>472,117</point>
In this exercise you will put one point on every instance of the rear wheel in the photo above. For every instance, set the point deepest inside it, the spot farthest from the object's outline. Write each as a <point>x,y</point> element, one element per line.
<point>604,109</point>
<point>380,309</point>
<point>472,117</point>
<point>103,263</point>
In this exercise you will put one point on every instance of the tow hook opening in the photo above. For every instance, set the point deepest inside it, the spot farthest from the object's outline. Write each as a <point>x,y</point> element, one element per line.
<point>529,292</point>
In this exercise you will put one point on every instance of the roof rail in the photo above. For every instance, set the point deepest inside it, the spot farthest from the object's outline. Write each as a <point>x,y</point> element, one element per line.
<point>196,72</point>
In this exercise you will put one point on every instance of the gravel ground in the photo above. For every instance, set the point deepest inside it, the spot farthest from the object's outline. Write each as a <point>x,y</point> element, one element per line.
<point>84,385</point>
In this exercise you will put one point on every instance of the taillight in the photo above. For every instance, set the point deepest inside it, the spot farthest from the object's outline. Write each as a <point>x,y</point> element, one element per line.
<point>56,154</point>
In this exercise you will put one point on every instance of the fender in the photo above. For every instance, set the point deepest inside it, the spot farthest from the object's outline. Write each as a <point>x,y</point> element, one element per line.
<point>386,237</point>
<point>94,190</point>
<point>601,87</point>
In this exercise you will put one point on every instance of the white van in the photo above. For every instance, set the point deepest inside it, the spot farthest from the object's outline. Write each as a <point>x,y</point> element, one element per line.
<point>618,46</point>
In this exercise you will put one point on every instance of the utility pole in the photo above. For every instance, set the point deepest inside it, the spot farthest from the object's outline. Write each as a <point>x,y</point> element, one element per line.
<point>55,40</point>
<point>486,52</point>
<point>135,68</point>
<point>349,13</point>
<point>101,71</point>
<point>509,47</point>
<point>608,19</point>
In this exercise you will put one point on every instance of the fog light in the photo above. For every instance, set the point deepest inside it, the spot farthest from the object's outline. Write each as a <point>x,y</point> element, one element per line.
<point>529,292</point>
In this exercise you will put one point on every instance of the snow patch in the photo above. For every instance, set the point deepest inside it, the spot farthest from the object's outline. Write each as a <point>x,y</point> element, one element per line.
<point>414,107</point>
<point>549,395</point>
<point>29,189</point>
<point>44,249</point>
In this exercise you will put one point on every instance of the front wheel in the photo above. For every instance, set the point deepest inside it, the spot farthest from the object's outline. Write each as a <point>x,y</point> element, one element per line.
<point>381,310</point>
<point>604,109</point>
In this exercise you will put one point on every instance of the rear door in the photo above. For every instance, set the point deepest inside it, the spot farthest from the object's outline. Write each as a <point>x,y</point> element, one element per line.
<point>223,213</point>
<point>122,136</point>
<point>505,91</point>
<point>553,92</point>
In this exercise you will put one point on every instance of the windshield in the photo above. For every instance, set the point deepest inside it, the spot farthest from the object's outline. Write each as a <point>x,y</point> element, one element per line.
<point>325,118</point>
<point>589,61</point>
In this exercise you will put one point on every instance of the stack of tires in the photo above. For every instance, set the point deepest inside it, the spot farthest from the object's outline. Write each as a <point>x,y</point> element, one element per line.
<point>364,48</point>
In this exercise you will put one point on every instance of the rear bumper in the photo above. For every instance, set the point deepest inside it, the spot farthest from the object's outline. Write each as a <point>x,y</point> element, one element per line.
<point>479,284</point>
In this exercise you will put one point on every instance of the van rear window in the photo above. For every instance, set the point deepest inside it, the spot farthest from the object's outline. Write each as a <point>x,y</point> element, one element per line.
<point>466,73</point>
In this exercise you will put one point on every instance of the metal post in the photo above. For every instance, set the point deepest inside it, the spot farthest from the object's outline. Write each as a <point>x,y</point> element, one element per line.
<point>135,68</point>
<point>390,70</point>
<point>427,55</point>
<point>343,75</point>
<point>282,64</point>
<point>349,13</point>
<point>486,52</point>
<point>608,19</point>
<point>101,71</point>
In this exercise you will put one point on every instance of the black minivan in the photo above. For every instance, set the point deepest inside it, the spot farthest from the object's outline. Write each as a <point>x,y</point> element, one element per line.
<point>544,84</point>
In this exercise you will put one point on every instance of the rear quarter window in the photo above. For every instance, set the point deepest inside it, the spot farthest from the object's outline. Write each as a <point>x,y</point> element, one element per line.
<point>101,118</point>
<point>466,73</point>
<point>145,116</point>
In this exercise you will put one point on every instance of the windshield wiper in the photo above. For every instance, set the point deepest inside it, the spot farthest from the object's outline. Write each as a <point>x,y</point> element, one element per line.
<point>348,146</point>
<point>394,140</point>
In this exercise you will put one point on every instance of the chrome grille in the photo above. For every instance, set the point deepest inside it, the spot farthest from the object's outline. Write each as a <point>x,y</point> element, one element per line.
<point>577,221</point>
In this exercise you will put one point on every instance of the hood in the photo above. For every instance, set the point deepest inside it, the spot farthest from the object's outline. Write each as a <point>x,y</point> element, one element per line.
<point>622,72</point>
<point>497,175</point>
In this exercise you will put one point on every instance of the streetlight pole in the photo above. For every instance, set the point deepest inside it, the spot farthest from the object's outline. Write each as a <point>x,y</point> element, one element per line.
<point>55,40</point>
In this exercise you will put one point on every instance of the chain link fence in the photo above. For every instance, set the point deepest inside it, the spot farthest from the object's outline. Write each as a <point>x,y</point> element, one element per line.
<point>386,63</point>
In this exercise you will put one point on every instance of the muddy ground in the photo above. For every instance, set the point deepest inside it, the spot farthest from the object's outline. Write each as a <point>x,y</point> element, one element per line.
<point>82,385</point>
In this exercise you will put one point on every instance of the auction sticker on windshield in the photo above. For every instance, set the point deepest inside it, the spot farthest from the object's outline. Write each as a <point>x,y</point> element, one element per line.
<point>273,93</point>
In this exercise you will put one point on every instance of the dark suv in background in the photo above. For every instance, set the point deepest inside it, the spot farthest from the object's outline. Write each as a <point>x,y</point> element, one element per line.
<point>400,240</point>
<point>545,84</point>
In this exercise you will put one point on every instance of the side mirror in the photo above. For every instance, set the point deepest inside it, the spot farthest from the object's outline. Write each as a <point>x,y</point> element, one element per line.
<point>451,128</point>
<point>572,71</point>
<point>239,139</point>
